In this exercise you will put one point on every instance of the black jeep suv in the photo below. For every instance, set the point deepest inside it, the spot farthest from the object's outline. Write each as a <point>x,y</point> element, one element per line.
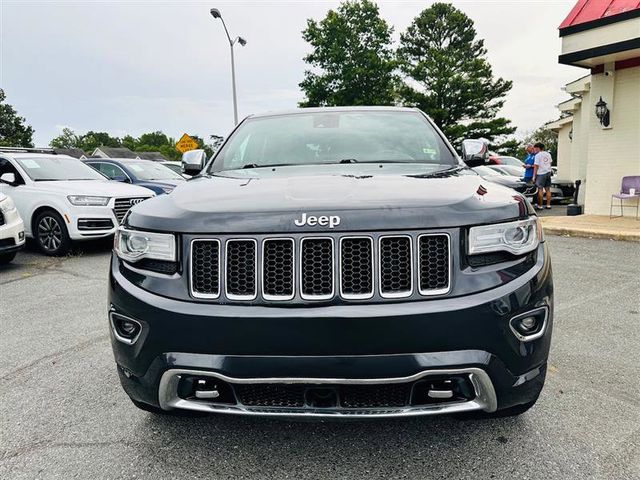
<point>334,262</point>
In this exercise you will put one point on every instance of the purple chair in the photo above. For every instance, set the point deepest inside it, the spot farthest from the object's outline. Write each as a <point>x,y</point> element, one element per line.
<point>628,183</point>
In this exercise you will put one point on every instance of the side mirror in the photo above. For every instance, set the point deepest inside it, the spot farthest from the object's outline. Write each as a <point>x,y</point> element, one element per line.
<point>475,152</point>
<point>120,178</point>
<point>193,161</point>
<point>9,178</point>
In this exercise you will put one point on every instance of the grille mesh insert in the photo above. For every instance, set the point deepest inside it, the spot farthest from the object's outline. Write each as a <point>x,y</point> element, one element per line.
<point>317,267</point>
<point>395,265</point>
<point>356,256</point>
<point>205,258</point>
<point>270,395</point>
<point>277,266</point>
<point>241,268</point>
<point>434,262</point>
<point>375,396</point>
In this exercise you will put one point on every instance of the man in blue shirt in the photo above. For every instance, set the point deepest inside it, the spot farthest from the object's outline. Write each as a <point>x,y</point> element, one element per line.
<point>528,163</point>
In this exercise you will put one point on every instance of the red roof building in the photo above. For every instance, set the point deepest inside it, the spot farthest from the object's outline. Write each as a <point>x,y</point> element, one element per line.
<point>599,124</point>
<point>600,31</point>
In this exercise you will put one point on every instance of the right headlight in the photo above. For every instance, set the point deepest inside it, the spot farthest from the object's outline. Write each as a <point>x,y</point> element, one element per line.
<point>517,237</point>
<point>134,245</point>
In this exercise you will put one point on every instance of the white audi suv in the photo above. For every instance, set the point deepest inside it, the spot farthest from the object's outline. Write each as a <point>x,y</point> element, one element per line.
<point>62,200</point>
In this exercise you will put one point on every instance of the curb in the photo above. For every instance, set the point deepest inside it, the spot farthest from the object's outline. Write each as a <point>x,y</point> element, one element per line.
<point>586,233</point>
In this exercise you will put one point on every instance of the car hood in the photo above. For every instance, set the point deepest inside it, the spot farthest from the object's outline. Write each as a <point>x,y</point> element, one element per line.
<point>161,183</point>
<point>94,187</point>
<point>508,180</point>
<point>239,202</point>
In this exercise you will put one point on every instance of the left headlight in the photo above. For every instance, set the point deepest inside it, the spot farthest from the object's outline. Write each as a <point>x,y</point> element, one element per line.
<point>134,245</point>
<point>88,200</point>
<point>517,237</point>
<point>7,205</point>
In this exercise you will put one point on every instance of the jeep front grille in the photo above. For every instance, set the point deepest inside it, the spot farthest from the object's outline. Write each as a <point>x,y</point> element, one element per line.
<point>312,268</point>
<point>122,206</point>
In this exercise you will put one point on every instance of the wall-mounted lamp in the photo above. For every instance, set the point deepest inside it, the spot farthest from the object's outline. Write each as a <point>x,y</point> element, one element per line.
<point>602,112</point>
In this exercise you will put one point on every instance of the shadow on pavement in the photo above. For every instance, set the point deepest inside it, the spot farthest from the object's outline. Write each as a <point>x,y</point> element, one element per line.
<point>275,448</point>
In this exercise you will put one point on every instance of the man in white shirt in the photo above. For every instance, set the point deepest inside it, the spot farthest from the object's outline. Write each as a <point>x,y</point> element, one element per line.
<point>542,173</point>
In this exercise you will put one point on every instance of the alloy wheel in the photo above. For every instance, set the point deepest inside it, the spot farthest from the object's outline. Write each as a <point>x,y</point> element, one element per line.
<point>49,234</point>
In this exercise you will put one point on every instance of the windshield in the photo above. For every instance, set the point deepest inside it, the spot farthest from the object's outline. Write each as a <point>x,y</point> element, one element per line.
<point>175,167</point>
<point>57,168</point>
<point>334,137</point>
<point>152,171</point>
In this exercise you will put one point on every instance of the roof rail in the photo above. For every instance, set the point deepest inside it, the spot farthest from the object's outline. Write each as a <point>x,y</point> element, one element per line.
<point>28,150</point>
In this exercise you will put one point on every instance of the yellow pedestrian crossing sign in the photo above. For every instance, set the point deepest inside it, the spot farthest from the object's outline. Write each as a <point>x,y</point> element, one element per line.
<point>186,143</point>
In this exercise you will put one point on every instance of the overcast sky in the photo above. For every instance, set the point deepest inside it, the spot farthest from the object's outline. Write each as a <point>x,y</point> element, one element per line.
<point>138,66</point>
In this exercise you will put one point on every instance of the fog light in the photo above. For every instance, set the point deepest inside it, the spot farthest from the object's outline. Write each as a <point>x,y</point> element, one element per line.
<point>125,329</point>
<point>530,325</point>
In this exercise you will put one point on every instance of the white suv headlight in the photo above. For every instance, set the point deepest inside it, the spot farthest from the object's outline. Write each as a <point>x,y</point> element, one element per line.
<point>517,237</point>
<point>134,245</point>
<point>88,200</point>
<point>7,205</point>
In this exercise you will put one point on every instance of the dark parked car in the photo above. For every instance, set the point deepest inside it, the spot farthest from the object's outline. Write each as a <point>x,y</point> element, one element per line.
<point>333,262</point>
<point>503,178</point>
<point>146,173</point>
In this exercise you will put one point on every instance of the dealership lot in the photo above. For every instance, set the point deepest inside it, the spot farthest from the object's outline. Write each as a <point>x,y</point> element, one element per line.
<point>63,414</point>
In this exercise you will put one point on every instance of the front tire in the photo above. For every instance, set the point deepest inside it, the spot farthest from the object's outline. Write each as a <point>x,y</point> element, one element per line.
<point>51,234</point>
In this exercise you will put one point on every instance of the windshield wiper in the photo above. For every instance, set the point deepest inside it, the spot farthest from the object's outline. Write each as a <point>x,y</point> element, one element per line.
<point>444,173</point>
<point>47,180</point>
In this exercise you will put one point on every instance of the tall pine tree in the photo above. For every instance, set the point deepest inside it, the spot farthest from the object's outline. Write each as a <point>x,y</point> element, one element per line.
<point>449,77</point>
<point>352,58</point>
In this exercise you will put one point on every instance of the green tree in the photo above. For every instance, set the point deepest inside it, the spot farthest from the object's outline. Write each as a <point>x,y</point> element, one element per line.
<point>153,139</point>
<point>67,139</point>
<point>13,130</point>
<point>92,140</point>
<point>449,77</point>
<point>352,58</point>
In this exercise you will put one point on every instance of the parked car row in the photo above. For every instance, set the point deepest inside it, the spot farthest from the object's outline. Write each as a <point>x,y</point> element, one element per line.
<point>561,190</point>
<point>61,199</point>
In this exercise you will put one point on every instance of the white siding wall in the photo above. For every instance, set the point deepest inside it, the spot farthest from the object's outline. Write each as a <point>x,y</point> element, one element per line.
<point>564,153</point>
<point>615,152</point>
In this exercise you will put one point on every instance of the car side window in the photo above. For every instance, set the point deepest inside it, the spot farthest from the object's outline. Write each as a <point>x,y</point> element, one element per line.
<point>112,171</point>
<point>7,167</point>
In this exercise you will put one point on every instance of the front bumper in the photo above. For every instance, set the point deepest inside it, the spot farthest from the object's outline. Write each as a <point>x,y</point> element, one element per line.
<point>338,344</point>
<point>11,233</point>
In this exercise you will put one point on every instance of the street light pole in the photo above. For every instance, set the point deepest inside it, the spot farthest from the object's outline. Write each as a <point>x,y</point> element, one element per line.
<point>215,13</point>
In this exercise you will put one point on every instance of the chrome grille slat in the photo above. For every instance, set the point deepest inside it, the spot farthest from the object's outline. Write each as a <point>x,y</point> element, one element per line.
<point>278,269</point>
<point>240,269</point>
<point>434,264</point>
<point>395,260</point>
<point>317,280</point>
<point>205,268</point>
<point>356,267</point>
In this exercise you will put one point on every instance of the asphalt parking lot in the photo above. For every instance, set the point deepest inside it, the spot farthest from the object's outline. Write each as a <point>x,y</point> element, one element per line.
<point>64,414</point>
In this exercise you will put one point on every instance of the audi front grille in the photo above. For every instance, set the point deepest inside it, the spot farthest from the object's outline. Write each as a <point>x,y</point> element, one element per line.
<point>122,206</point>
<point>313,268</point>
